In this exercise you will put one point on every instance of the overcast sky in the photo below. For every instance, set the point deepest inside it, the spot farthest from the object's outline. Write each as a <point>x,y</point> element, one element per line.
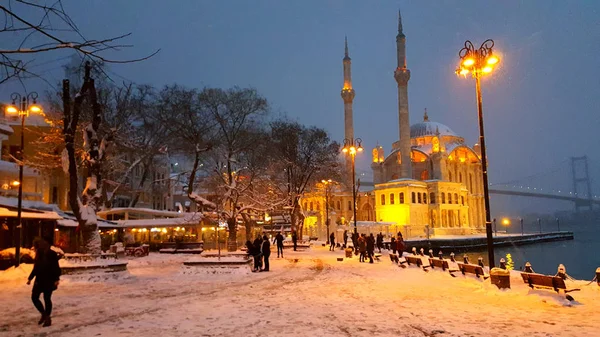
<point>540,106</point>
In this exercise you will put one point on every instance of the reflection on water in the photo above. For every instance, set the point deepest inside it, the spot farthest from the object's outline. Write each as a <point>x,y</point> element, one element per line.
<point>580,256</point>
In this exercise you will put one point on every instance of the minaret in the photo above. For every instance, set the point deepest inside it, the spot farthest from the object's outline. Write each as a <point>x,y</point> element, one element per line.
<point>402,75</point>
<point>348,95</point>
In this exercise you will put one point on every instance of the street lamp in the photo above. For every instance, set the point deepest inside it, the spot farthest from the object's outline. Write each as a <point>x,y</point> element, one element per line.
<point>351,147</point>
<point>21,107</point>
<point>480,62</point>
<point>327,183</point>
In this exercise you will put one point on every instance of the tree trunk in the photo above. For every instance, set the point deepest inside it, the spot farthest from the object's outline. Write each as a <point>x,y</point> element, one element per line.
<point>143,179</point>
<point>249,223</point>
<point>232,238</point>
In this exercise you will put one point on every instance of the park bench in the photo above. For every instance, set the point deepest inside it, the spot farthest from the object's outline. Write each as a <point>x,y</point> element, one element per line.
<point>477,270</point>
<point>556,283</point>
<point>438,263</point>
<point>416,260</point>
<point>395,259</point>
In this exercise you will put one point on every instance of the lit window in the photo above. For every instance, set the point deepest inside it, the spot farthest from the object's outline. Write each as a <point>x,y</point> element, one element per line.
<point>419,197</point>
<point>425,198</point>
<point>414,199</point>
<point>455,198</point>
<point>383,199</point>
<point>401,197</point>
<point>392,198</point>
<point>443,198</point>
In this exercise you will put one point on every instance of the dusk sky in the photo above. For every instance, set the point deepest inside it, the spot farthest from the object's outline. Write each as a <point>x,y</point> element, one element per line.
<point>540,106</point>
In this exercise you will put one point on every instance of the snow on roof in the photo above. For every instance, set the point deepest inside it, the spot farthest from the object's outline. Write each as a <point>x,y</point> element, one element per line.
<point>5,129</point>
<point>10,167</point>
<point>69,220</point>
<point>191,219</point>
<point>146,211</point>
<point>5,212</point>
<point>39,205</point>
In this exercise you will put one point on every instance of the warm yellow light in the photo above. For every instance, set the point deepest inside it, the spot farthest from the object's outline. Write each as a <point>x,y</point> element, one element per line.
<point>345,150</point>
<point>164,230</point>
<point>360,149</point>
<point>12,110</point>
<point>468,62</point>
<point>464,71</point>
<point>492,60</point>
<point>56,229</point>
<point>505,222</point>
<point>15,183</point>
<point>35,108</point>
<point>487,69</point>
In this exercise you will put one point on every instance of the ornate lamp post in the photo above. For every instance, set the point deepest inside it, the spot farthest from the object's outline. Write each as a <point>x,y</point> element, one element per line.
<point>21,107</point>
<point>480,62</point>
<point>351,147</point>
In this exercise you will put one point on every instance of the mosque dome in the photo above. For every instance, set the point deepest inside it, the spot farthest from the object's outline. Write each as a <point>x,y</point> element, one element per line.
<point>428,128</point>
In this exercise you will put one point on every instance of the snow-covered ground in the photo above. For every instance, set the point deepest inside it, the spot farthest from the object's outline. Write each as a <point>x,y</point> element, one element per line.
<point>308,293</point>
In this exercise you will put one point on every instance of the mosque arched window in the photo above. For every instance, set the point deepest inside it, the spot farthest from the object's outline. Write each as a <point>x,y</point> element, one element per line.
<point>392,198</point>
<point>419,199</point>
<point>401,197</point>
<point>443,198</point>
<point>450,198</point>
<point>425,175</point>
<point>311,206</point>
<point>456,198</point>
<point>414,198</point>
<point>318,206</point>
<point>383,199</point>
<point>462,200</point>
<point>432,198</point>
<point>425,198</point>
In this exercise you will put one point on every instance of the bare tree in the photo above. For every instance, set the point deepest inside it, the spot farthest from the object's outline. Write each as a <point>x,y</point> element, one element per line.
<point>32,27</point>
<point>307,155</point>
<point>85,208</point>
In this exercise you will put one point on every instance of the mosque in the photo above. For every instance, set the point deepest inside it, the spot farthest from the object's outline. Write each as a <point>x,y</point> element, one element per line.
<point>430,182</point>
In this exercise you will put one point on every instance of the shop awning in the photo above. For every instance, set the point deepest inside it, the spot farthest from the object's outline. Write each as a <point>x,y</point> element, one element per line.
<point>5,212</point>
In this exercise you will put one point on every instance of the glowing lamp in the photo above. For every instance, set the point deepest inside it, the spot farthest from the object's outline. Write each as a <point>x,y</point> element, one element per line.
<point>505,222</point>
<point>35,108</point>
<point>492,60</point>
<point>15,183</point>
<point>345,150</point>
<point>487,69</point>
<point>12,110</point>
<point>468,62</point>
<point>360,149</point>
<point>463,72</point>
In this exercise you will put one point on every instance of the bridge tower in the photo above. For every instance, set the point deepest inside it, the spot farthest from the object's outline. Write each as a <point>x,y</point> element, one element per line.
<point>581,182</point>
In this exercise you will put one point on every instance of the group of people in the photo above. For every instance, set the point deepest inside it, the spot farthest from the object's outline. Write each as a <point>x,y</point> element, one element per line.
<point>260,250</point>
<point>365,245</point>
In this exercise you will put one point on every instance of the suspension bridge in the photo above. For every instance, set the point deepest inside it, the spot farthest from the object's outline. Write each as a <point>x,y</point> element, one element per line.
<point>577,190</point>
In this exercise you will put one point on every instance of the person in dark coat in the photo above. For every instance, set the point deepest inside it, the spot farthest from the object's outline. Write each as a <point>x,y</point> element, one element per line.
<point>345,238</point>
<point>332,241</point>
<point>370,247</point>
<point>355,242</point>
<point>380,241</point>
<point>393,244</point>
<point>362,246</point>
<point>257,253</point>
<point>295,239</point>
<point>279,240</point>
<point>400,246</point>
<point>265,250</point>
<point>46,272</point>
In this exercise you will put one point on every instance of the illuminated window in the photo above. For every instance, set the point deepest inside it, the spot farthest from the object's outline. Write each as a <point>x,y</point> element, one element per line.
<point>401,197</point>
<point>424,198</point>
<point>443,198</point>
<point>424,175</point>
<point>432,198</point>
<point>449,198</point>
<point>456,198</point>
<point>414,200</point>
<point>419,198</point>
<point>392,198</point>
<point>383,199</point>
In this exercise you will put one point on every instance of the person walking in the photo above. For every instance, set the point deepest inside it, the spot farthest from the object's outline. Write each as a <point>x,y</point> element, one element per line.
<point>46,272</point>
<point>279,240</point>
<point>345,238</point>
<point>370,247</point>
<point>265,250</point>
<point>257,253</point>
<point>393,244</point>
<point>400,246</point>
<point>295,239</point>
<point>251,251</point>
<point>332,241</point>
<point>362,246</point>
<point>355,238</point>
<point>380,241</point>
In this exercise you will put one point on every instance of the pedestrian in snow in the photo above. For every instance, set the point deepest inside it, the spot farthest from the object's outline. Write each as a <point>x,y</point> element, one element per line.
<point>265,250</point>
<point>393,244</point>
<point>380,241</point>
<point>295,239</point>
<point>345,237</point>
<point>332,241</point>
<point>355,238</point>
<point>400,246</point>
<point>251,252</point>
<point>279,240</point>
<point>257,253</point>
<point>362,246</point>
<point>370,247</point>
<point>46,272</point>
